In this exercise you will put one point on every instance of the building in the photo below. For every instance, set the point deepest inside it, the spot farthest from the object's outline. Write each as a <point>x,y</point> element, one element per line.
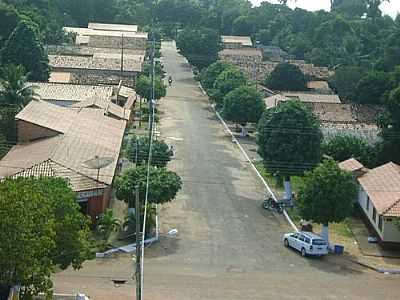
<point>57,141</point>
<point>304,97</point>
<point>379,198</point>
<point>234,42</point>
<point>97,69</point>
<point>319,87</point>
<point>273,53</point>
<point>109,38</point>
<point>113,27</point>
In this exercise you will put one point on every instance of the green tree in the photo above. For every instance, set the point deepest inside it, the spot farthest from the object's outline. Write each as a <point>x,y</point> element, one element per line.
<point>15,91</point>
<point>107,224</point>
<point>243,105</point>
<point>344,81</point>
<point>327,195</point>
<point>209,75</point>
<point>244,26</point>
<point>43,227</point>
<point>199,45</point>
<point>372,88</point>
<point>163,185</point>
<point>343,147</point>
<point>144,87</point>
<point>138,148</point>
<point>350,8</point>
<point>9,19</point>
<point>24,48</point>
<point>158,70</point>
<point>226,82</point>
<point>289,140</point>
<point>286,77</point>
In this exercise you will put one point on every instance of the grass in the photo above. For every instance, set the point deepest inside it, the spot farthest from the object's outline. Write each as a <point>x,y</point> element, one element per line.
<point>338,231</point>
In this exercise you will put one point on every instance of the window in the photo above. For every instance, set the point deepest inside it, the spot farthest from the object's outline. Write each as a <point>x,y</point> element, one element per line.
<point>374,214</point>
<point>307,240</point>
<point>380,222</point>
<point>367,204</point>
<point>301,238</point>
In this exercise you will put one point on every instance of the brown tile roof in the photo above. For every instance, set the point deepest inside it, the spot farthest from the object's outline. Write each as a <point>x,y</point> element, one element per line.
<point>92,63</point>
<point>308,97</point>
<point>252,52</point>
<point>60,77</point>
<point>90,51</point>
<point>107,106</point>
<point>382,185</point>
<point>70,92</point>
<point>84,133</point>
<point>318,85</point>
<point>351,165</point>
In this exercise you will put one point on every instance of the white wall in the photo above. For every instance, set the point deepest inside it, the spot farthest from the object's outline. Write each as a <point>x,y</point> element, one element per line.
<point>362,200</point>
<point>391,232</point>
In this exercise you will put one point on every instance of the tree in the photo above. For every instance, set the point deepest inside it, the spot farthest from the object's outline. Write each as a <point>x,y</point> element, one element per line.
<point>15,90</point>
<point>289,140</point>
<point>372,87</point>
<point>108,224</point>
<point>350,8</point>
<point>209,75</point>
<point>163,185</point>
<point>244,26</point>
<point>286,77</point>
<point>144,87</point>
<point>344,81</point>
<point>25,48</point>
<point>343,147</point>
<point>43,227</point>
<point>226,82</point>
<point>199,45</point>
<point>158,70</point>
<point>243,105</point>
<point>9,19</point>
<point>327,195</point>
<point>138,148</point>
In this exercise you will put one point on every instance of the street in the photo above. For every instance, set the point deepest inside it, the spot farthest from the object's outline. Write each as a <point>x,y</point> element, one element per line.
<point>227,247</point>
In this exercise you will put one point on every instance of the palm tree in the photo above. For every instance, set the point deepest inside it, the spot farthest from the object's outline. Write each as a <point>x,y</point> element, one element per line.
<point>14,90</point>
<point>108,224</point>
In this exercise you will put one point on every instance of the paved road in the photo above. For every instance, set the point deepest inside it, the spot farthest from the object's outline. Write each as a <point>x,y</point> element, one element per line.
<point>227,246</point>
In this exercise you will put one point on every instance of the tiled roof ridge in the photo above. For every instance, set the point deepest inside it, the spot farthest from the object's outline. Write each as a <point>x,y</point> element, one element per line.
<point>34,166</point>
<point>73,170</point>
<point>391,206</point>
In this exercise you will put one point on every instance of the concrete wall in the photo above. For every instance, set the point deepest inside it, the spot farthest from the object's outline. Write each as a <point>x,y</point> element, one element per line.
<point>27,132</point>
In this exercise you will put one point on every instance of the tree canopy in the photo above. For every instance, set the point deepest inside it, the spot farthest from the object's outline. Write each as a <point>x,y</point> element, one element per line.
<point>286,77</point>
<point>44,228</point>
<point>226,82</point>
<point>327,194</point>
<point>139,148</point>
<point>144,87</point>
<point>243,105</point>
<point>209,75</point>
<point>163,185</point>
<point>24,47</point>
<point>289,139</point>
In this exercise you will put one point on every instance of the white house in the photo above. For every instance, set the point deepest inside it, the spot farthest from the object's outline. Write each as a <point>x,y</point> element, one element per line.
<point>379,198</point>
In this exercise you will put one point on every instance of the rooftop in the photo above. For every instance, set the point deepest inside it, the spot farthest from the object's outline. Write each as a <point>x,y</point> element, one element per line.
<point>241,52</point>
<point>382,185</point>
<point>60,77</point>
<point>70,92</point>
<point>113,27</point>
<point>92,63</point>
<point>83,134</point>
<point>235,39</point>
<point>351,165</point>
<point>80,31</point>
<point>318,85</point>
<point>309,97</point>
<point>107,106</point>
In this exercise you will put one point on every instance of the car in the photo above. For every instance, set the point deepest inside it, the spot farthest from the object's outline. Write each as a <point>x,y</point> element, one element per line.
<point>307,243</point>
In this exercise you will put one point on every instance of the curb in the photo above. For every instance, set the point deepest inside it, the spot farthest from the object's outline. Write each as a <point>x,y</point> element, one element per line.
<point>376,269</point>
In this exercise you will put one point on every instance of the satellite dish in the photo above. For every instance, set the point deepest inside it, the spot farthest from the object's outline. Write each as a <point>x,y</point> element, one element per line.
<point>98,162</point>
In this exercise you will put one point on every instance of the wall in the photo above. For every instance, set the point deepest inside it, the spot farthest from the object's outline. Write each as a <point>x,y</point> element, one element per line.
<point>98,205</point>
<point>27,132</point>
<point>362,200</point>
<point>391,230</point>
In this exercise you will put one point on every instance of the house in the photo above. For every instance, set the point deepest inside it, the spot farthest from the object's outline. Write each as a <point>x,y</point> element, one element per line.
<point>234,42</point>
<point>304,97</point>
<point>59,141</point>
<point>319,87</point>
<point>97,70</point>
<point>109,38</point>
<point>273,53</point>
<point>379,198</point>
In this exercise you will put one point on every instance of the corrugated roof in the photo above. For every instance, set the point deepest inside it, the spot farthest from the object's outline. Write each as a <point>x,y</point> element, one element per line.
<point>84,134</point>
<point>113,27</point>
<point>92,63</point>
<point>351,165</point>
<point>70,92</point>
<point>127,57</point>
<point>382,185</point>
<point>253,52</point>
<point>107,106</point>
<point>235,39</point>
<point>80,31</point>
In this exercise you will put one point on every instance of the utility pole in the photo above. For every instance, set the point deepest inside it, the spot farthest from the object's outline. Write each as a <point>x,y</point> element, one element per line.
<point>138,274</point>
<point>122,56</point>
<point>152,92</point>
